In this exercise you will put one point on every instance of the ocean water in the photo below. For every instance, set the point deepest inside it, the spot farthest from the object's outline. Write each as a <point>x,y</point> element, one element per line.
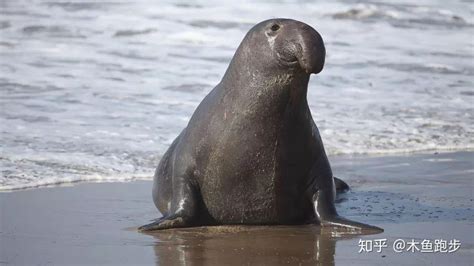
<point>97,90</point>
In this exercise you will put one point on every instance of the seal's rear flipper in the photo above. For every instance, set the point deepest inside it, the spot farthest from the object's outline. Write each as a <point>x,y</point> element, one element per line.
<point>341,186</point>
<point>327,216</point>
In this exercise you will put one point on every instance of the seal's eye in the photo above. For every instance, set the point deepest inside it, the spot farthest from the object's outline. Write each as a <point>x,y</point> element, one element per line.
<point>275,27</point>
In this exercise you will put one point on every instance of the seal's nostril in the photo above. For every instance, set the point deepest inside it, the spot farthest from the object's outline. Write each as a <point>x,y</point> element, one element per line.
<point>275,27</point>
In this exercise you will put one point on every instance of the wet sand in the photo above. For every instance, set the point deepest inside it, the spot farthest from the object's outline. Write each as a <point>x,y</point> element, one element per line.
<point>428,196</point>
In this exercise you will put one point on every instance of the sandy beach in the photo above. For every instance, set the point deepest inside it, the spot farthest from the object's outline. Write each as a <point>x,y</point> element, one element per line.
<point>413,197</point>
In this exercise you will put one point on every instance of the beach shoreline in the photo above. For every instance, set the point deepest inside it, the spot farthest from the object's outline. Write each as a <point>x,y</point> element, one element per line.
<point>419,196</point>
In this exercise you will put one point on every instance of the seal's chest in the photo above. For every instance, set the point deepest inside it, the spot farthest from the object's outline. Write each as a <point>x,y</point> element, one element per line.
<point>253,201</point>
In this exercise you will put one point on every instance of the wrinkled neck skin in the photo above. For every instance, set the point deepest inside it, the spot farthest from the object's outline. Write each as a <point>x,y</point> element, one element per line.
<point>260,83</point>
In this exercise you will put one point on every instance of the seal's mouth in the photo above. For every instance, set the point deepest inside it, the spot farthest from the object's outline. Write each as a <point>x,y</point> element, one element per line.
<point>306,68</point>
<point>287,54</point>
<point>286,62</point>
<point>309,66</point>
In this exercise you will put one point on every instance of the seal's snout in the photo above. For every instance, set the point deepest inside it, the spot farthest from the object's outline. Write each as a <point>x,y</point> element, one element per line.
<point>312,52</point>
<point>297,42</point>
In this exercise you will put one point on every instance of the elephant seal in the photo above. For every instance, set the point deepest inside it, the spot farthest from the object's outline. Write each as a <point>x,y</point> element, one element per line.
<point>251,153</point>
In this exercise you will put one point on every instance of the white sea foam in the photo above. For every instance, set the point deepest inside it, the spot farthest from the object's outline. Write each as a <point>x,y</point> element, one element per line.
<point>65,181</point>
<point>98,92</point>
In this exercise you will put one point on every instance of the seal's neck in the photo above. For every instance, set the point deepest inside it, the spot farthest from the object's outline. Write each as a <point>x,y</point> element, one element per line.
<point>264,81</point>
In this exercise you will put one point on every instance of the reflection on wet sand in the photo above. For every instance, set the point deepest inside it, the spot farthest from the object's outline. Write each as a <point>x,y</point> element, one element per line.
<point>244,245</point>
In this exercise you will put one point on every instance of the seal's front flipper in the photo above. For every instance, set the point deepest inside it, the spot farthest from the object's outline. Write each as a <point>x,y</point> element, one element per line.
<point>327,215</point>
<point>341,186</point>
<point>338,221</point>
<point>182,209</point>
<point>173,221</point>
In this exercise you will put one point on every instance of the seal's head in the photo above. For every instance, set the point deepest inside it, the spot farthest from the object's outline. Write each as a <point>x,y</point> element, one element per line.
<point>295,43</point>
<point>277,45</point>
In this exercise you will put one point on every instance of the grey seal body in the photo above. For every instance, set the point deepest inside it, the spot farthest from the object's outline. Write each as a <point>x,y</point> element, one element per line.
<point>251,153</point>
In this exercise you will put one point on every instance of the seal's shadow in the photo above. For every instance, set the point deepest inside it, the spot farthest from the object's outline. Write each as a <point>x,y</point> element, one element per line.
<point>244,245</point>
